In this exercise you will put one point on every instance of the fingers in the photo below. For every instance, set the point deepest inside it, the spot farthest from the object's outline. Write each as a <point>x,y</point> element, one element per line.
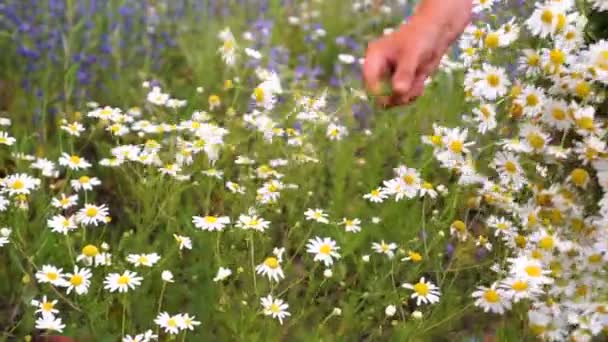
<point>410,90</point>
<point>376,66</point>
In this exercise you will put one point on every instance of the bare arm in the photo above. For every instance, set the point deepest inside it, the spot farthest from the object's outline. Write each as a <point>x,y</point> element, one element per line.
<point>409,55</point>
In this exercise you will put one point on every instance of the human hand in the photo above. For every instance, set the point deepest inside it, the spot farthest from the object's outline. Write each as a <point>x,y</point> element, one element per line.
<point>406,57</point>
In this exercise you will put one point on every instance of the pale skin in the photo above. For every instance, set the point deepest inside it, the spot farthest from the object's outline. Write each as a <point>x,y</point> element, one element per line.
<point>406,57</point>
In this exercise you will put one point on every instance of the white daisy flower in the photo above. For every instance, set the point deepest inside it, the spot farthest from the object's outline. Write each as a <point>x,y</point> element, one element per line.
<point>275,307</point>
<point>122,282</point>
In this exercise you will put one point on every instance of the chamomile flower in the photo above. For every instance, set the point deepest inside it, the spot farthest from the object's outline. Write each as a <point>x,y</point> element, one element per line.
<point>485,116</point>
<point>147,260</point>
<point>45,307</point>
<point>253,222</point>
<point>482,5</point>
<point>412,256</point>
<point>65,202</point>
<point>79,280</point>
<point>50,274</point>
<point>271,267</point>
<point>517,289</point>
<point>275,307</point>
<point>491,82</point>
<point>492,299</point>
<point>317,215</point>
<point>375,196</point>
<point>532,100</point>
<point>74,128</point>
<point>425,292</point>
<point>85,183</point>
<point>122,282</point>
<point>324,249</point>
<point>336,132</point>
<point>183,241</point>
<point>6,139</point>
<point>529,269</point>
<point>222,273</point>
<point>189,322</point>
<point>92,214</point>
<point>211,223</point>
<point>352,226</point>
<point>19,184</point>
<point>172,324</point>
<point>385,248</point>
<point>5,233</point>
<point>50,323</point>
<point>509,169</point>
<point>73,162</point>
<point>62,224</point>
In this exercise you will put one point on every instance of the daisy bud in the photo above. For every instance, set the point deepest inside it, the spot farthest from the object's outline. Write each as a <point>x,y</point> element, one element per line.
<point>328,273</point>
<point>167,276</point>
<point>365,258</point>
<point>417,314</point>
<point>336,312</point>
<point>390,310</point>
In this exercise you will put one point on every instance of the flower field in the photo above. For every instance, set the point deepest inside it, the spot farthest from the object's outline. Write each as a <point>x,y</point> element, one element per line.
<point>215,170</point>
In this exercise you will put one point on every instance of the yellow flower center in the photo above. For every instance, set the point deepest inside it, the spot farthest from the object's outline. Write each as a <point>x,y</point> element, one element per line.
<point>211,219</point>
<point>52,275</point>
<point>258,93</point>
<point>491,296</point>
<point>582,89</point>
<point>534,60</point>
<point>485,112</point>
<point>18,184</point>
<point>84,179</point>
<point>90,250</point>
<point>325,249</point>
<point>123,280</point>
<point>171,322</point>
<point>558,114</point>
<point>534,271</point>
<point>436,140</point>
<point>557,57</point>
<point>492,40</point>
<point>75,159</point>
<point>579,177</point>
<point>91,212</point>
<point>415,257</point>
<point>519,286</point>
<point>272,262</point>
<point>459,226</point>
<point>594,258</point>
<point>275,308</point>
<point>546,243</point>
<point>536,140</point>
<point>76,280</point>
<point>510,167</point>
<point>456,146</point>
<point>143,259</point>
<point>409,179</point>
<point>422,289</point>
<point>602,61</point>
<point>532,100</point>
<point>547,17</point>
<point>585,123</point>
<point>47,306</point>
<point>493,80</point>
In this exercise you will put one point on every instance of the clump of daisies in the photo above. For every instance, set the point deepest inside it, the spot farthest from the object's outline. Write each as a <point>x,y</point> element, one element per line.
<point>533,157</point>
